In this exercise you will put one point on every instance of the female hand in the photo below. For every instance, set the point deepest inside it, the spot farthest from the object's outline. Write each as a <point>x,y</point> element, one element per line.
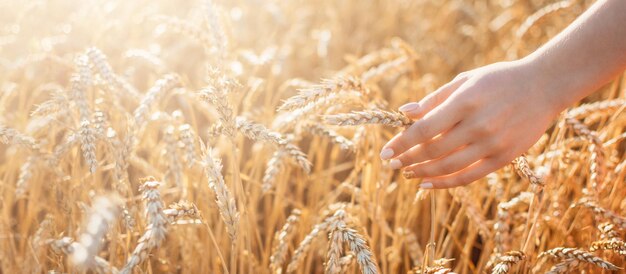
<point>475,124</point>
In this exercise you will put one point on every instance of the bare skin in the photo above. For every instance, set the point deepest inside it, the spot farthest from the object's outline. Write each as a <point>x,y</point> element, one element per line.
<point>484,118</point>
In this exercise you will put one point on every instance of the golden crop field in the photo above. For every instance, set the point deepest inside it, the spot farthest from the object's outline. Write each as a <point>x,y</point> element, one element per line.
<point>242,136</point>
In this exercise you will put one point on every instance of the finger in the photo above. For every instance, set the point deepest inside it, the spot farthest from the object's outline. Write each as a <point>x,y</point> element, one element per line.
<point>441,119</point>
<point>416,110</point>
<point>474,172</point>
<point>457,161</point>
<point>433,149</point>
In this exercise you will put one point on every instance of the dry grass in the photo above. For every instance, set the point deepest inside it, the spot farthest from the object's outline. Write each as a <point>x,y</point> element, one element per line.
<point>258,125</point>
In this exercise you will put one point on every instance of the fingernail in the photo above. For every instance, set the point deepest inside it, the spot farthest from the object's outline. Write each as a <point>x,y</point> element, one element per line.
<point>426,185</point>
<point>395,164</point>
<point>408,174</point>
<point>409,107</point>
<point>386,154</point>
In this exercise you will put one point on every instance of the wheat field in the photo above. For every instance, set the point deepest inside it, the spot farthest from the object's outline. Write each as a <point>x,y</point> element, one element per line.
<point>242,136</point>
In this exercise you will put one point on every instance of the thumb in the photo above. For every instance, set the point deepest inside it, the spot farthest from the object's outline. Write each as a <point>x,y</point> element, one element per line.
<point>416,110</point>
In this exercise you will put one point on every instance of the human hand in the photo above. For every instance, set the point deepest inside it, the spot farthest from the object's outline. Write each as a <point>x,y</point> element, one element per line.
<point>475,124</point>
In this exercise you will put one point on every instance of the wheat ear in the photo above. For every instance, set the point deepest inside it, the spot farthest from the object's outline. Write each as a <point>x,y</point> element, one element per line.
<point>26,173</point>
<point>175,169</point>
<point>604,213</point>
<point>259,132</point>
<point>505,261</point>
<point>604,107</point>
<point>156,92</point>
<point>565,266</point>
<point>156,228</point>
<point>412,245</point>
<point>341,233</point>
<point>273,168</point>
<point>225,201</point>
<point>501,226</point>
<point>396,66</point>
<point>11,136</point>
<point>332,135</point>
<point>103,211</point>
<point>357,67</point>
<point>373,116</point>
<point>305,245</point>
<point>219,100</point>
<point>597,155</point>
<point>181,210</point>
<point>541,13</point>
<point>282,238</point>
<point>186,28</point>
<point>580,255</point>
<point>523,170</point>
<point>67,246</point>
<point>212,15</point>
<point>607,231</point>
<point>114,82</point>
<point>328,87</point>
<point>87,137</point>
<point>54,105</point>
<point>187,138</point>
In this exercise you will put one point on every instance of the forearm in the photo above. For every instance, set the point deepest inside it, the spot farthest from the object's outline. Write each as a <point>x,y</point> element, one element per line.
<point>583,57</point>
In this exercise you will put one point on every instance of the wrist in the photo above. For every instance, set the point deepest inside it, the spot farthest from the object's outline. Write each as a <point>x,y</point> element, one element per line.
<point>551,83</point>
